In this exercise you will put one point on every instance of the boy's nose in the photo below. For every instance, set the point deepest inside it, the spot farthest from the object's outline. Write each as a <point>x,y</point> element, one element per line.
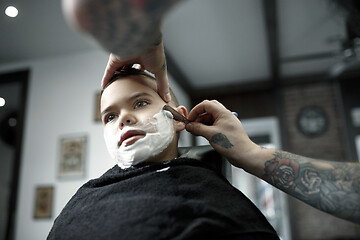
<point>127,120</point>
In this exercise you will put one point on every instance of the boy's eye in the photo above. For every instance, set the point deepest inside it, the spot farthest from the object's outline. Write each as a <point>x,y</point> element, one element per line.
<point>141,103</point>
<point>109,117</point>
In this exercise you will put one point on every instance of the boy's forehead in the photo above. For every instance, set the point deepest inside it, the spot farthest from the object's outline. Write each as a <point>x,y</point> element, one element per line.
<point>135,81</point>
<point>127,87</point>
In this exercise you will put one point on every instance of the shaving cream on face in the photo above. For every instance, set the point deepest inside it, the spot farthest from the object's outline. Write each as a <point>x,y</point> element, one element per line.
<point>159,134</point>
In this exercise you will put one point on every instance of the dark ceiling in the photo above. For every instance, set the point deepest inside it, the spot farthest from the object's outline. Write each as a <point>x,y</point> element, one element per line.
<point>209,43</point>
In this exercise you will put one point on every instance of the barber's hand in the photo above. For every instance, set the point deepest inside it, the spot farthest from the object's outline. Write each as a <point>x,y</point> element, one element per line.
<point>132,33</point>
<point>226,134</point>
<point>153,60</point>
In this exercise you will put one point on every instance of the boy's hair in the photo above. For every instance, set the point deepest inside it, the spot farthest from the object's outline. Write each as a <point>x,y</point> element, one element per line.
<point>134,71</point>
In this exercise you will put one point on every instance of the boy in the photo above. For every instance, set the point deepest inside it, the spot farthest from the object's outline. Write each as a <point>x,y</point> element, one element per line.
<point>150,193</point>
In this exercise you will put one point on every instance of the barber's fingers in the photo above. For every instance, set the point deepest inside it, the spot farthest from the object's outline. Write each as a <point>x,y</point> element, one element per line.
<point>154,60</point>
<point>163,84</point>
<point>113,64</point>
<point>211,109</point>
<point>200,129</point>
<point>204,118</point>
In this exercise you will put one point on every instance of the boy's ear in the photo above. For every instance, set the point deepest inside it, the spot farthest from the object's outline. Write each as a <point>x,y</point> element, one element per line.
<point>181,109</point>
<point>179,126</point>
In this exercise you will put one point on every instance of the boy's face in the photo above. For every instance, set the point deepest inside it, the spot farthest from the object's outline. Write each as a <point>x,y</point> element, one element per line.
<point>134,125</point>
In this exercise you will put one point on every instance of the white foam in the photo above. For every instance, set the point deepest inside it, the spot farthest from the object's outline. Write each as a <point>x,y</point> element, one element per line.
<point>159,134</point>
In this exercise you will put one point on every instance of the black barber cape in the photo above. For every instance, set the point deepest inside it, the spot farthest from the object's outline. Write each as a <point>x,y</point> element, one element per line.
<point>179,199</point>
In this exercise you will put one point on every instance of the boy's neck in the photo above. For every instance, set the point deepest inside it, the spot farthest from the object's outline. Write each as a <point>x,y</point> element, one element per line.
<point>168,154</point>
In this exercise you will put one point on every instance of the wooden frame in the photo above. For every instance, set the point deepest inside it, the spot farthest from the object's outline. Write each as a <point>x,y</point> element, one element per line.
<point>97,116</point>
<point>43,202</point>
<point>72,156</point>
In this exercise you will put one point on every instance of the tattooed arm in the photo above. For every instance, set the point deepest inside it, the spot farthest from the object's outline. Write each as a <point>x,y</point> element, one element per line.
<point>129,29</point>
<point>332,187</point>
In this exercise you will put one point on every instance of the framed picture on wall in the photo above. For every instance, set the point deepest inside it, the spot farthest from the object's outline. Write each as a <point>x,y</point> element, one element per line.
<point>97,107</point>
<point>357,145</point>
<point>72,156</point>
<point>43,202</point>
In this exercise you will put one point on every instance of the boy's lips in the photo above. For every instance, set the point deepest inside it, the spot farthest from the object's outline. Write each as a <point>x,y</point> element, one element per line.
<point>131,136</point>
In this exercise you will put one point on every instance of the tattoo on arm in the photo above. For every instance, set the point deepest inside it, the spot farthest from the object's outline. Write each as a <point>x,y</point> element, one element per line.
<point>222,140</point>
<point>126,29</point>
<point>333,187</point>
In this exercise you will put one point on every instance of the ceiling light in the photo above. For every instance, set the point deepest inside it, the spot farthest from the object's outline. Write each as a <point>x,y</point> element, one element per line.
<point>2,102</point>
<point>11,11</point>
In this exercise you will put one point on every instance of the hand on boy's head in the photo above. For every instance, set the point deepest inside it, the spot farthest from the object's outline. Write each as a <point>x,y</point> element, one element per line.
<point>153,61</point>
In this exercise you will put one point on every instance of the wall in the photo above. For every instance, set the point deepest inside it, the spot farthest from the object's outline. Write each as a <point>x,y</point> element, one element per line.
<point>309,223</point>
<point>254,103</point>
<point>61,102</point>
<point>11,91</point>
<point>350,93</point>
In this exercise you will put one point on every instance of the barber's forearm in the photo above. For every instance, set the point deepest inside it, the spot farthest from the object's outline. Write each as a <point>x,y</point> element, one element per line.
<point>332,187</point>
<point>126,28</point>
